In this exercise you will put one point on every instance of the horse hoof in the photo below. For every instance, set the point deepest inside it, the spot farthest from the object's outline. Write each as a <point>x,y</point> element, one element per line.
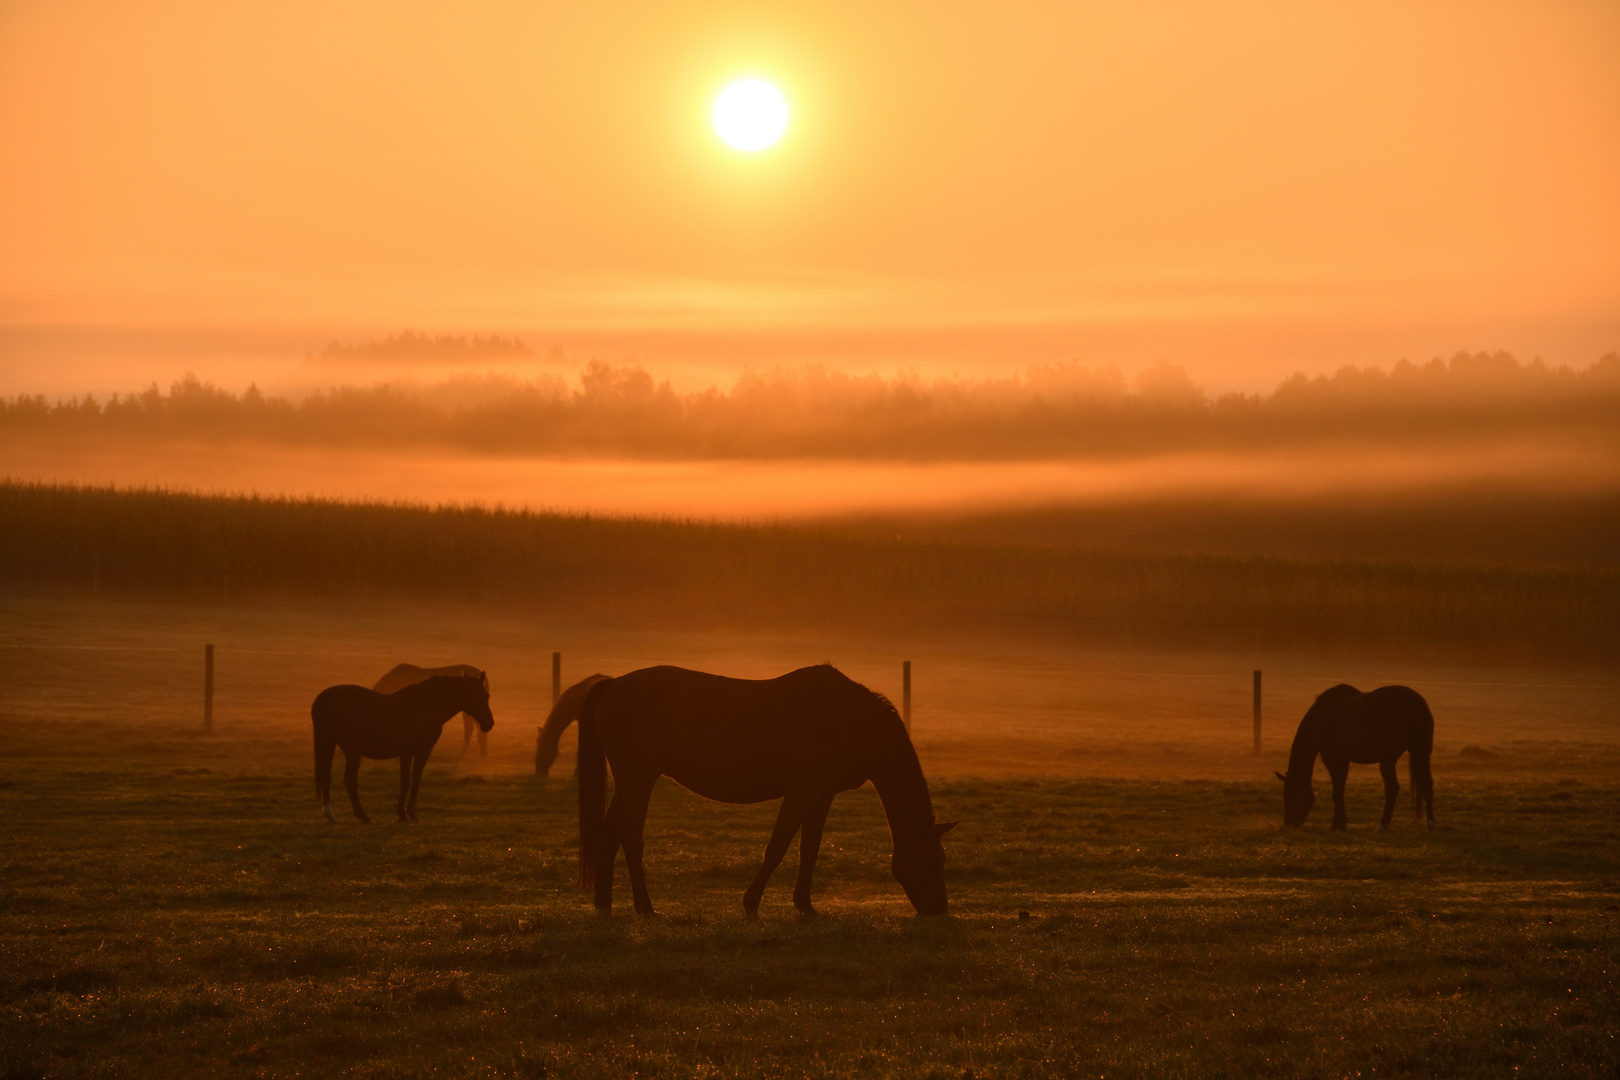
<point>364,820</point>
<point>1383,828</point>
<point>413,817</point>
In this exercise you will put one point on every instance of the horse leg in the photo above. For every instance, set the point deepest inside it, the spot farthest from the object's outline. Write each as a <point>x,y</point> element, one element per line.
<point>809,848</point>
<point>607,848</point>
<point>325,746</point>
<point>404,782</point>
<point>467,726</point>
<point>1392,789</point>
<point>483,741</point>
<point>351,781</point>
<point>788,821</point>
<point>418,763</point>
<point>632,825</point>
<point>1338,772</point>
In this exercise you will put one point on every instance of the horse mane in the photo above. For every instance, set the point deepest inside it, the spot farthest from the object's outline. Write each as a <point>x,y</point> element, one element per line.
<point>1340,690</point>
<point>883,700</point>
<point>1307,739</point>
<point>907,787</point>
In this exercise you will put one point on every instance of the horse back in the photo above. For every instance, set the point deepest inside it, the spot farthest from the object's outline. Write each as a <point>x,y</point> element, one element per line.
<point>1385,723</point>
<point>1402,712</point>
<point>364,721</point>
<point>743,740</point>
<point>346,705</point>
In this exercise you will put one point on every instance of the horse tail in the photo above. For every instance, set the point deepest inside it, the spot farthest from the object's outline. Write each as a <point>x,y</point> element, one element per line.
<point>592,786</point>
<point>1422,751</point>
<point>325,746</point>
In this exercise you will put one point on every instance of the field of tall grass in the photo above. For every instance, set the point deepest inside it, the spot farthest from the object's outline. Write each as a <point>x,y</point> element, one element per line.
<point>661,573</point>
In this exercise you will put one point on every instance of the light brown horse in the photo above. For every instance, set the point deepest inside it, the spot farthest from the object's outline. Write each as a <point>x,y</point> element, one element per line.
<point>565,712</point>
<point>402,675</point>
<point>801,738</point>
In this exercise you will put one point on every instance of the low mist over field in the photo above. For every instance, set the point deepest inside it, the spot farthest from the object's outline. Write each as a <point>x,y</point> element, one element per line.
<point>814,443</point>
<point>1063,411</point>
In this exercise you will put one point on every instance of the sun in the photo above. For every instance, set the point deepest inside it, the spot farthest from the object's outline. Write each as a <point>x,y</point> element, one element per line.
<point>750,115</point>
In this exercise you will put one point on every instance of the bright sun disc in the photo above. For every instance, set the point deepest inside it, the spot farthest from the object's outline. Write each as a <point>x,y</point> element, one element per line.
<point>750,114</point>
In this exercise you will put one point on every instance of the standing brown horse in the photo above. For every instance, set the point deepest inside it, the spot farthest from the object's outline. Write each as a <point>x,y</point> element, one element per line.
<point>801,738</point>
<point>1345,725</point>
<point>565,712</point>
<point>405,725</point>
<point>402,675</point>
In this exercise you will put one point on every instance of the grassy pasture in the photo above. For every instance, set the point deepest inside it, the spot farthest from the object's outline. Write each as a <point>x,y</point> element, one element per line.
<point>189,922</point>
<point>172,904</point>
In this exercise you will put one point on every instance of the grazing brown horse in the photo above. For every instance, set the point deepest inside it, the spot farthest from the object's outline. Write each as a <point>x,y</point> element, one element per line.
<point>402,675</point>
<point>1345,725</point>
<point>801,738</point>
<point>405,725</point>
<point>565,712</point>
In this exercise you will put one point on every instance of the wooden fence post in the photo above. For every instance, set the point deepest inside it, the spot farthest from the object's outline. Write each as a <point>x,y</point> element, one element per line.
<point>556,677</point>
<point>1257,712</point>
<point>905,694</point>
<point>208,689</point>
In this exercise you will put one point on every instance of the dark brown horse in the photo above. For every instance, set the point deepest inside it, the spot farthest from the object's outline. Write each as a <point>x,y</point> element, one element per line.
<point>565,712</point>
<point>402,675</point>
<point>1345,725</point>
<point>405,725</point>
<point>801,738</point>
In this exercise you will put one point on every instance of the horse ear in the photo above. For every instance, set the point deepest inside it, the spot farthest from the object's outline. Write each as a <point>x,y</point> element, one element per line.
<point>944,827</point>
<point>1279,776</point>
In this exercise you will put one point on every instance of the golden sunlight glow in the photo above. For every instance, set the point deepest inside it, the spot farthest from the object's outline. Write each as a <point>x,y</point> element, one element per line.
<point>750,115</point>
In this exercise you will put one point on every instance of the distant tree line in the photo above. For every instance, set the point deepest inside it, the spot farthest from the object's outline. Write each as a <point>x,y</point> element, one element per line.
<point>1058,411</point>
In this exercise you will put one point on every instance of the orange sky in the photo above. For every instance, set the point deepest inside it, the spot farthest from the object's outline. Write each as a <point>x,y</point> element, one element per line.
<point>1242,188</point>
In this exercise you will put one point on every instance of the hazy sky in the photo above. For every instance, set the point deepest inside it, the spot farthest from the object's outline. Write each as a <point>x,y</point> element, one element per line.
<point>1241,188</point>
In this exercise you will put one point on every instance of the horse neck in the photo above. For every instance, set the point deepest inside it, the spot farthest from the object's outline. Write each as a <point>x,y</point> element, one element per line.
<point>565,712</point>
<point>1302,755</point>
<point>903,790</point>
<point>441,701</point>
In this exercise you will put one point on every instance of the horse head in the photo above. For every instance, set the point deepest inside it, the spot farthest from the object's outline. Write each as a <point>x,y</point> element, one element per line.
<point>919,866</point>
<point>477,705</point>
<point>1298,798</point>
